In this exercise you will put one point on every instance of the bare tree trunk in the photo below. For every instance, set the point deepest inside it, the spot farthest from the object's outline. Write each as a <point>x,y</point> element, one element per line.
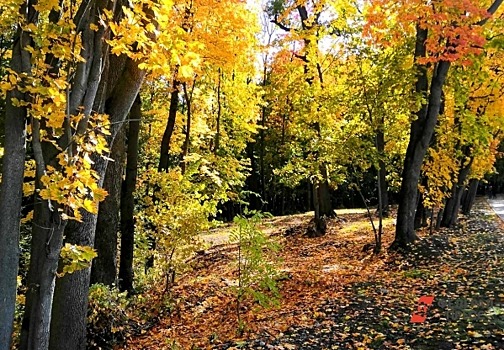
<point>104,268</point>
<point>11,190</point>
<point>127,200</point>
<point>187,141</point>
<point>164,156</point>
<point>452,207</point>
<point>470,197</point>
<point>219,113</point>
<point>421,212</point>
<point>382,170</point>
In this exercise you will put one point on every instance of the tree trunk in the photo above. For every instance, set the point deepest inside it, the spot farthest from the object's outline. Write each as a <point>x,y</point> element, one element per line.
<point>382,170</point>
<point>164,156</point>
<point>324,200</point>
<point>47,239</point>
<point>421,214</point>
<point>11,188</point>
<point>470,197</point>
<point>104,268</point>
<point>252,181</point>
<point>128,201</point>
<point>187,141</point>
<point>71,296</point>
<point>219,113</point>
<point>452,207</point>
<point>421,133</point>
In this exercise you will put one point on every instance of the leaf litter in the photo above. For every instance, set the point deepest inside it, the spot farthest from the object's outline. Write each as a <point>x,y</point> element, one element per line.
<point>337,296</point>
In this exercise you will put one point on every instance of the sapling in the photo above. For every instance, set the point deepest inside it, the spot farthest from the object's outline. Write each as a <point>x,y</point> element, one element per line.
<point>257,270</point>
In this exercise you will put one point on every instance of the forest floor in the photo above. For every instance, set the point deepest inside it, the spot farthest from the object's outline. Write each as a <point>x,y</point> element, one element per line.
<point>339,296</point>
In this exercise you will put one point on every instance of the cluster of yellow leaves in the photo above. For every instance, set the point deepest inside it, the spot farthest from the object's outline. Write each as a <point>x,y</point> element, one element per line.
<point>439,168</point>
<point>75,258</point>
<point>76,184</point>
<point>167,35</point>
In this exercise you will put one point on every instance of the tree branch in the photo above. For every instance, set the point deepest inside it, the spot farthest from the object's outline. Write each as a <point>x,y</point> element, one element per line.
<point>280,24</point>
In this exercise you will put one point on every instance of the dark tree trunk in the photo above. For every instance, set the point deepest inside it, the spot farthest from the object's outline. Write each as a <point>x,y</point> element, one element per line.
<point>104,268</point>
<point>219,113</point>
<point>71,295</point>
<point>48,229</point>
<point>382,171</point>
<point>128,201</point>
<point>452,207</point>
<point>324,200</point>
<point>187,141</point>
<point>68,324</point>
<point>421,133</point>
<point>252,182</point>
<point>420,214</point>
<point>421,211</point>
<point>470,197</point>
<point>164,156</point>
<point>11,188</point>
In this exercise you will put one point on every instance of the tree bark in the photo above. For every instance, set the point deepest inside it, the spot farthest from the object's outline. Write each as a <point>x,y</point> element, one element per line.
<point>164,156</point>
<point>104,268</point>
<point>11,190</point>
<point>382,170</point>
<point>452,207</point>
<point>187,141</point>
<point>219,113</point>
<point>47,239</point>
<point>420,214</point>
<point>421,133</point>
<point>470,197</point>
<point>128,201</point>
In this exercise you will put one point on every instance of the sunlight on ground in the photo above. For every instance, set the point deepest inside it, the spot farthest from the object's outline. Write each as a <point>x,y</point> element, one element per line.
<point>220,235</point>
<point>362,227</point>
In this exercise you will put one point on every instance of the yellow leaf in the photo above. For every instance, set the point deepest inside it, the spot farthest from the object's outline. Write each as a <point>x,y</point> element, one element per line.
<point>90,206</point>
<point>474,334</point>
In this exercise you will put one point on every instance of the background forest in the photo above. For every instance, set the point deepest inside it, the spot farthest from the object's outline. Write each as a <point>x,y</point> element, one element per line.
<point>131,129</point>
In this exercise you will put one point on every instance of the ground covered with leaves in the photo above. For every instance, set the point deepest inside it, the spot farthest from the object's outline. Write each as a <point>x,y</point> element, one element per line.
<point>337,295</point>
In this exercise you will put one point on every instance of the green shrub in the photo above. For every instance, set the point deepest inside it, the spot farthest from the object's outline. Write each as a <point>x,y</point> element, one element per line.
<point>107,318</point>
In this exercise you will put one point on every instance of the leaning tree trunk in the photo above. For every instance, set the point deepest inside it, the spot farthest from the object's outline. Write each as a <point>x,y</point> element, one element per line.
<point>421,133</point>
<point>128,200</point>
<point>104,268</point>
<point>71,297</point>
<point>470,197</point>
<point>11,190</point>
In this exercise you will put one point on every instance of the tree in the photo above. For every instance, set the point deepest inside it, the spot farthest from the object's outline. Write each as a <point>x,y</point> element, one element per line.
<point>309,32</point>
<point>445,33</point>
<point>128,201</point>
<point>12,170</point>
